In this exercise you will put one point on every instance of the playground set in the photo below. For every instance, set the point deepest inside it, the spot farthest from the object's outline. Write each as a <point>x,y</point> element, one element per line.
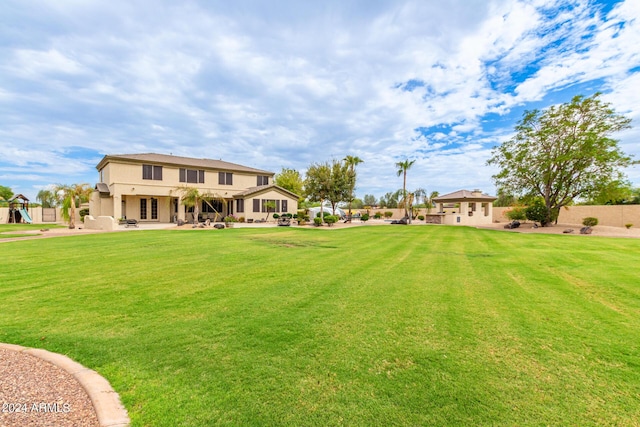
<point>19,210</point>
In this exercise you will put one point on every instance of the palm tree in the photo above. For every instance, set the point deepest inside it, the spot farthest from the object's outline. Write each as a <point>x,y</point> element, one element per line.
<point>270,206</point>
<point>71,196</point>
<point>403,167</point>
<point>47,198</point>
<point>191,198</point>
<point>407,202</point>
<point>429,200</point>
<point>352,162</point>
<point>420,194</point>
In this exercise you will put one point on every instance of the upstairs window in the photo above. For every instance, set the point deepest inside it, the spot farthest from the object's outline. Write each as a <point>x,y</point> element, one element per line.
<point>152,172</point>
<point>263,180</point>
<point>225,178</point>
<point>192,175</point>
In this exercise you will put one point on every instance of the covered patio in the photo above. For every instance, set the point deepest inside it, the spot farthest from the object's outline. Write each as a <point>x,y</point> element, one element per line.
<point>464,207</point>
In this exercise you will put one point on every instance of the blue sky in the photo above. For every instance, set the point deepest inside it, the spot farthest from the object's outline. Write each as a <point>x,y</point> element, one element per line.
<point>288,83</point>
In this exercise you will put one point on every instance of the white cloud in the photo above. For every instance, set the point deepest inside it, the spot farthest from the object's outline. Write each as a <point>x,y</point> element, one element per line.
<point>290,83</point>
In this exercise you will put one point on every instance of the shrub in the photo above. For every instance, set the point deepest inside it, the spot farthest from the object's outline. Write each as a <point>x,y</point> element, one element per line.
<point>537,212</point>
<point>230,218</point>
<point>516,214</point>
<point>377,215</point>
<point>628,226</point>
<point>421,217</point>
<point>364,217</point>
<point>589,221</point>
<point>317,221</point>
<point>330,219</point>
<point>241,219</point>
<point>276,216</point>
<point>83,213</point>
<point>388,214</point>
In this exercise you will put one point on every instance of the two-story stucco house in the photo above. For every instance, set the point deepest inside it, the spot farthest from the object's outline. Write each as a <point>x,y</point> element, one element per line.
<point>146,187</point>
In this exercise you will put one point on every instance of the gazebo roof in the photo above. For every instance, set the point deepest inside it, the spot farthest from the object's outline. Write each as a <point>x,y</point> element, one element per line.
<point>464,195</point>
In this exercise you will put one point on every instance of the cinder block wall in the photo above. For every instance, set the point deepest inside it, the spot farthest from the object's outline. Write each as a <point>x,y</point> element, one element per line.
<point>612,216</point>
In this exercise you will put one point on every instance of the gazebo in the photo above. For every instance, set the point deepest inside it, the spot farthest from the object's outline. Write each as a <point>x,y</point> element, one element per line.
<point>464,207</point>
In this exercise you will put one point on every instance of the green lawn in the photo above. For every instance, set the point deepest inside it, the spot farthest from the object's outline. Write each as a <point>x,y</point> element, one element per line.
<point>7,230</point>
<point>428,325</point>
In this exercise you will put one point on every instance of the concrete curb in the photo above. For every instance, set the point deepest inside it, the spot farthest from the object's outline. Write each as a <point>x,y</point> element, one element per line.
<point>106,401</point>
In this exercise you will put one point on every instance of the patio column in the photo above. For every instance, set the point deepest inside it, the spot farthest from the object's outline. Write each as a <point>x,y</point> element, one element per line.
<point>182,209</point>
<point>464,208</point>
<point>117,206</point>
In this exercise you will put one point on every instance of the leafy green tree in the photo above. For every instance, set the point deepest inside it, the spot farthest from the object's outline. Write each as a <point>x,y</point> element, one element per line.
<point>614,193</point>
<point>317,184</point>
<point>403,167</point>
<point>357,203</point>
<point>352,162</point>
<point>369,200</point>
<point>505,199</point>
<point>47,198</point>
<point>70,197</point>
<point>328,181</point>
<point>341,183</point>
<point>290,179</point>
<point>562,153</point>
<point>5,192</point>
<point>390,200</point>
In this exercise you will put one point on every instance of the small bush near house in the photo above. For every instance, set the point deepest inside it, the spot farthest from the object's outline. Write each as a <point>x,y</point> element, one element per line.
<point>590,221</point>
<point>377,215</point>
<point>317,221</point>
<point>330,219</point>
<point>516,214</point>
<point>364,217</point>
<point>276,216</point>
<point>421,217</point>
<point>388,214</point>
<point>628,226</point>
<point>83,213</point>
<point>241,219</point>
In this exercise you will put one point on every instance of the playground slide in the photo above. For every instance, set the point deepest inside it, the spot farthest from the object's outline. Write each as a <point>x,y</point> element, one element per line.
<point>25,216</point>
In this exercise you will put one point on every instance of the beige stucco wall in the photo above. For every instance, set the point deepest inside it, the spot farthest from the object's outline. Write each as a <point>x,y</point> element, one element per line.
<point>127,188</point>
<point>106,223</point>
<point>612,216</point>
<point>35,213</point>
<point>130,176</point>
<point>126,184</point>
<point>292,205</point>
